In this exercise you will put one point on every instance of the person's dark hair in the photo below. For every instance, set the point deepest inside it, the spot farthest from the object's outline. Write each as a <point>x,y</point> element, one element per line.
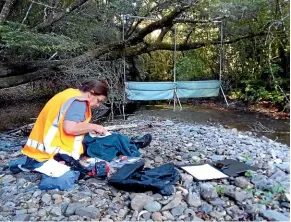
<point>97,87</point>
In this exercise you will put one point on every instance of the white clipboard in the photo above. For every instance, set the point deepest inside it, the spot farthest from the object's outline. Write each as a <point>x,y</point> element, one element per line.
<point>204,172</point>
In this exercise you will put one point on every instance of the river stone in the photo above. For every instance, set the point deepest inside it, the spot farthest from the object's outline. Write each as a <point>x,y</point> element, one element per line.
<point>242,182</point>
<point>285,204</point>
<point>146,216</point>
<point>100,192</point>
<point>285,166</point>
<point>174,203</point>
<point>189,212</point>
<point>186,177</point>
<point>72,208</point>
<point>139,201</point>
<point>22,211</point>
<point>195,218</point>
<point>273,215</point>
<point>91,212</point>
<point>178,211</point>
<point>8,206</point>
<point>257,178</point>
<point>217,202</point>
<point>36,193</point>
<point>74,218</point>
<point>157,216</point>
<point>21,217</point>
<point>234,211</point>
<point>168,215</point>
<point>206,208</point>
<point>46,198</point>
<point>189,155</point>
<point>56,196</point>
<point>193,199</point>
<point>153,206</point>
<point>56,211</point>
<point>208,192</point>
<point>217,214</point>
<point>8,179</point>
<point>32,210</point>
<point>41,212</point>
<point>159,159</point>
<point>157,196</point>
<point>122,213</point>
<point>239,196</point>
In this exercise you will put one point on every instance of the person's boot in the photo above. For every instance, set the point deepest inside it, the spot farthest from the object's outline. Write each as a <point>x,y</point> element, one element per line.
<point>142,142</point>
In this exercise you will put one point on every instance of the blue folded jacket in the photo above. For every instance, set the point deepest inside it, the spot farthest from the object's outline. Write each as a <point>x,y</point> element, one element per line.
<point>108,147</point>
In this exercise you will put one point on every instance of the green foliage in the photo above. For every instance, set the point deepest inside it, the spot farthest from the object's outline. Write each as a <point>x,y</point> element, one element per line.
<point>254,69</point>
<point>219,190</point>
<point>248,189</point>
<point>249,173</point>
<point>253,92</point>
<point>247,156</point>
<point>18,38</point>
<point>267,196</point>
<point>279,189</point>
<point>158,66</point>
<point>194,66</point>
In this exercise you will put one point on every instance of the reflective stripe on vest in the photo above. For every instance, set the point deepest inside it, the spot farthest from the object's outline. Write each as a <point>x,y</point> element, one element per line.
<point>53,150</point>
<point>46,147</point>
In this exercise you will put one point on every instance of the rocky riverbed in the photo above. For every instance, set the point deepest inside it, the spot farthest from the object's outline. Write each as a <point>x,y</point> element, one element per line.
<point>260,195</point>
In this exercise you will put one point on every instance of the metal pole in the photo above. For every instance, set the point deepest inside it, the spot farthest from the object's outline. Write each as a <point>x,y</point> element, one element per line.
<point>224,96</point>
<point>141,17</point>
<point>221,61</point>
<point>221,51</point>
<point>124,63</point>
<point>175,48</point>
<point>174,60</point>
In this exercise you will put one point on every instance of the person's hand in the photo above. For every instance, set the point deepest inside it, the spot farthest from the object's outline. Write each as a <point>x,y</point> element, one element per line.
<point>99,129</point>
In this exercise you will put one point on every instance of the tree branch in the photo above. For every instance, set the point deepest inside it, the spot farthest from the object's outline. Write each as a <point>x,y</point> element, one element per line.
<point>5,11</point>
<point>42,26</point>
<point>163,33</point>
<point>166,21</point>
<point>19,73</point>
<point>134,26</point>
<point>199,21</point>
<point>26,78</point>
<point>147,48</point>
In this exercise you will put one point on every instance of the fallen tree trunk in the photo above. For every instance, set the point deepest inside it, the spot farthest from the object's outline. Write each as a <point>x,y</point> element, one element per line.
<point>14,74</point>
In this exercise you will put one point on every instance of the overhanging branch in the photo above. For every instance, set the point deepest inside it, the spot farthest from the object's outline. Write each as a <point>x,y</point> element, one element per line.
<point>147,48</point>
<point>199,21</point>
<point>42,26</point>
<point>26,78</point>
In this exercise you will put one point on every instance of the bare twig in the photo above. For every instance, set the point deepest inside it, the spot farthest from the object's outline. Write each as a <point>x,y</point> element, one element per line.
<point>26,15</point>
<point>40,3</point>
<point>259,127</point>
<point>119,127</point>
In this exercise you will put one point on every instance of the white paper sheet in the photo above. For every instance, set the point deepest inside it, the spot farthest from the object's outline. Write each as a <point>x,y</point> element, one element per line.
<point>53,168</point>
<point>204,172</point>
<point>93,134</point>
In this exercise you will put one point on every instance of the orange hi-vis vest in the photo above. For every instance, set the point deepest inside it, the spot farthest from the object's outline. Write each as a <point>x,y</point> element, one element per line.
<point>48,136</point>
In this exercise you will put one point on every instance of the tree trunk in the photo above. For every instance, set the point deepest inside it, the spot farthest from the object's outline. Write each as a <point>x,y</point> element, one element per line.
<point>5,11</point>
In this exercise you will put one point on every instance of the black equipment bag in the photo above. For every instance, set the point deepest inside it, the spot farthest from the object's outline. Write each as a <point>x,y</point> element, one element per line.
<point>133,177</point>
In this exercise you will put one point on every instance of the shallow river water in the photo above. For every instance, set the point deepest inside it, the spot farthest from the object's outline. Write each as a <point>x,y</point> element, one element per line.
<point>278,130</point>
<point>18,114</point>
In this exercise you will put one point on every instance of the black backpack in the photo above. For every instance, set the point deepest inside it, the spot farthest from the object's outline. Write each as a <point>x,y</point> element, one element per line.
<point>134,178</point>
